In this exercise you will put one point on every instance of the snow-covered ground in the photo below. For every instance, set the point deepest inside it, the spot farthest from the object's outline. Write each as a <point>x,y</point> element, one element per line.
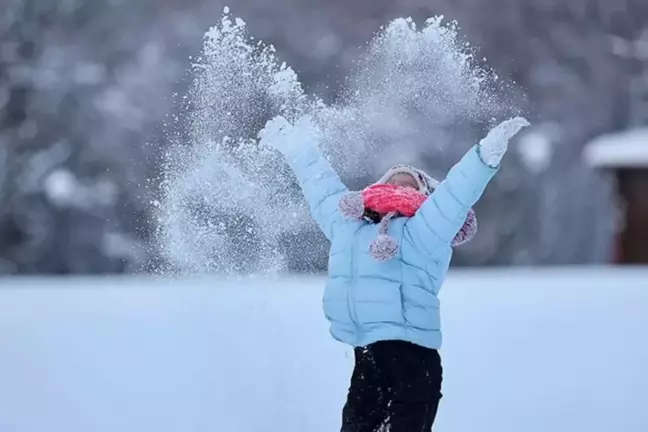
<point>525,351</point>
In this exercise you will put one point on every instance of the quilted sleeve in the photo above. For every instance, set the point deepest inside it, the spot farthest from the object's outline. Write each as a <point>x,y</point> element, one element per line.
<point>321,186</point>
<point>444,212</point>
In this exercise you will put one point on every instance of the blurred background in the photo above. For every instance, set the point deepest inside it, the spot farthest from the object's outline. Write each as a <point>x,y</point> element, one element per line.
<point>88,89</point>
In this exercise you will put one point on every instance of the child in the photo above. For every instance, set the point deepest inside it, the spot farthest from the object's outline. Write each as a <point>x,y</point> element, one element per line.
<point>391,247</point>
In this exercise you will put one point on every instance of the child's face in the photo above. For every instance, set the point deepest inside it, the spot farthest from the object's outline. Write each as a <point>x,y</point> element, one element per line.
<point>403,180</point>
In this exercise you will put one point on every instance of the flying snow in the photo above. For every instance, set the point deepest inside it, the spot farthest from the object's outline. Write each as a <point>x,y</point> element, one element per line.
<point>230,205</point>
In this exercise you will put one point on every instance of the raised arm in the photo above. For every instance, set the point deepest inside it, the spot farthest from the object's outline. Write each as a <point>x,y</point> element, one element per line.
<point>320,184</point>
<point>444,212</point>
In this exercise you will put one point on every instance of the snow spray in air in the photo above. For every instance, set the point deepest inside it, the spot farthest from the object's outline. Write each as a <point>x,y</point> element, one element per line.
<point>232,207</point>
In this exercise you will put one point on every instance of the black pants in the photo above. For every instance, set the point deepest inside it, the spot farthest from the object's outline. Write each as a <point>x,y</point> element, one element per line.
<point>394,383</point>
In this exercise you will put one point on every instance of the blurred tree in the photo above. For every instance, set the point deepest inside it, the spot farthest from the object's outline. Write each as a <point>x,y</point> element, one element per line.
<point>85,86</point>
<point>81,83</point>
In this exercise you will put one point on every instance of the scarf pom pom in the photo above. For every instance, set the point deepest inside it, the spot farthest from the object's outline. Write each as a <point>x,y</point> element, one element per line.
<point>352,206</point>
<point>467,231</point>
<point>383,248</point>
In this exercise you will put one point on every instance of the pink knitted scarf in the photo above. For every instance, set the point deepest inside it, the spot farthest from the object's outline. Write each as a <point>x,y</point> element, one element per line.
<point>388,198</point>
<point>389,201</point>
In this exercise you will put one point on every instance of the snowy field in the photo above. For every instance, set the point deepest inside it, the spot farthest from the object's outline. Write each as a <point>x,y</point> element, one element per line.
<point>525,351</point>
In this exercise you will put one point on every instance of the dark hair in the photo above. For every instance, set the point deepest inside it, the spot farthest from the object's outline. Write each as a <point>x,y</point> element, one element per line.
<point>372,216</point>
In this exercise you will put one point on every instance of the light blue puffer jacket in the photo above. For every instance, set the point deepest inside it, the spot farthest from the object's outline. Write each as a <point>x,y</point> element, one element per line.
<point>366,300</point>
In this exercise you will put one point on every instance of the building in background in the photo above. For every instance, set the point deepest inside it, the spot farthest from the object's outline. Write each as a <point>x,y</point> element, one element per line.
<point>625,154</point>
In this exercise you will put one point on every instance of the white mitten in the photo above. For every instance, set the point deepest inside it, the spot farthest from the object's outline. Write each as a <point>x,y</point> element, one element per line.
<point>494,145</point>
<point>287,138</point>
<point>275,132</point>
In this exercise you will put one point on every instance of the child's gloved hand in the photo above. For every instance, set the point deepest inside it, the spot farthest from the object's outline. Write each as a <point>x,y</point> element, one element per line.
<point>286,137</point>
<point>494,145</point>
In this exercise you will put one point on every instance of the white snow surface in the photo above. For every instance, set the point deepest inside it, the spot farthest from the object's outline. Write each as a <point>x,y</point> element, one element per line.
<point>627,149</point>
<point>524,350</point>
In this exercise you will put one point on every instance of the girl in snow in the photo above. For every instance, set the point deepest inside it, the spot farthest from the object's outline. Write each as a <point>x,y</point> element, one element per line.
<point>391,246</point>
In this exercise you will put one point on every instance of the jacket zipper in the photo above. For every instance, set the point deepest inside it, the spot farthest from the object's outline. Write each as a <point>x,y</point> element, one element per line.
<point>351,291</point>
